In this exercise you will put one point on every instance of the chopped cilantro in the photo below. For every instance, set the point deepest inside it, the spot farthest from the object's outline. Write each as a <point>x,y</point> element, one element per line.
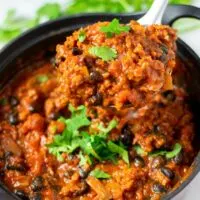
<point>42,78</point>
<point>139,150</point>
<point>103,52</point>
<point>104,131</point>
<point>123,153</point>
<point>100,174</point>
<point>114,27</point>
<point>91,146</point>
<point>168,154</point>
<point>81,36</point>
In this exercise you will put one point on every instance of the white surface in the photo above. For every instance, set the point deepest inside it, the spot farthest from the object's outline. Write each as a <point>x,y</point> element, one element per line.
<point>28,7</point>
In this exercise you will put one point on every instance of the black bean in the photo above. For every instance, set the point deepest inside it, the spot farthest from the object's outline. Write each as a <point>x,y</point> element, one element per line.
<point>158,162</point>
<point>178,158</point>
<point>62,59</point>
<point>13,101</point>
<point>15,168</point>
<point>158,188</point>
<point>126,136</point>
<point>169,95</point>
<point>89,62</point>
<point>21,194</point>
<point>168,172</point>
<point>83,173</point>
<point>96,76</point>
<point>37,196</point>
<point>96,99</point>
<point>139,161</point>
<point>76,51</point>
<point>54,115</point>
<point>37,184</point>
<point>13,118</point>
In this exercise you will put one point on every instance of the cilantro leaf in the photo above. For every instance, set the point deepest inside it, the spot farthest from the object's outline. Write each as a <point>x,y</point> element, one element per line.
<point>175,151</point>
<point>100,174</point>
<point>49,10</point>
<point>139,150</point>
<point>78,119</point>
<point>104,131</point>
<point>42,78</point>
<point>114,27</point>
<point>81,36</point>
<point>123,153</point>
<point>168,154</point>
<point>103,52</point>
<point>91,146</point>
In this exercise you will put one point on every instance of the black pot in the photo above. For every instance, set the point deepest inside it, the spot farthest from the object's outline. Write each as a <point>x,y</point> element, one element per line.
<point>23,50</point>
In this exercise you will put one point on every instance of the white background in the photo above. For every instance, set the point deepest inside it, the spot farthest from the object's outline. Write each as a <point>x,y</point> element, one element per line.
<point>192,38</point>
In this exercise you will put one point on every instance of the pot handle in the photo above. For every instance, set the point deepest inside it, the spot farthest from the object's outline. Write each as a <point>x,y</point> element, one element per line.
<point>178,11</point>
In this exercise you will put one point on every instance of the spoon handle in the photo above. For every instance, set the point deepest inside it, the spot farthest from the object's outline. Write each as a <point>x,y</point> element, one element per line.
<point>155,13</point>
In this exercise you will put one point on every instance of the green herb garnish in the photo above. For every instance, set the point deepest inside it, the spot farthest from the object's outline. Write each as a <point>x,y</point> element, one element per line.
<point>168,154</point>
<point>103,131</point>
<point>42,78</point>
<point>91,146</point>
<point>123,153</point>
<point>81,36</point>
<point>139,150</point>
<point>114,27</point>
<point>100,174</point>
<point>103,52</point>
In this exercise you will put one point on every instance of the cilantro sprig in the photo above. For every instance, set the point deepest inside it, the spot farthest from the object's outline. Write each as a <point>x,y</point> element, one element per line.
<point>81,36</point>
<point>100,174</point>
<point>114,27</point>
<point>92,147</point>
<point>168,154</point>
<point>103,52</point>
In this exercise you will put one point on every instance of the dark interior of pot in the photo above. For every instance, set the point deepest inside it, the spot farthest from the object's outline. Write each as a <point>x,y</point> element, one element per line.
<point>44,48</point>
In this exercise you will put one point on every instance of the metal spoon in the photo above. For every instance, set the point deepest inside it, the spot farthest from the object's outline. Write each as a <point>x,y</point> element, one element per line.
<point>155,13</point>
